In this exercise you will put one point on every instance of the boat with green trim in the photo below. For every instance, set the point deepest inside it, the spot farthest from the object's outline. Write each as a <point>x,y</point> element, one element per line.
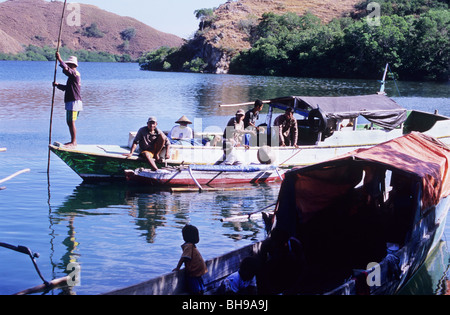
<point>327,127</point>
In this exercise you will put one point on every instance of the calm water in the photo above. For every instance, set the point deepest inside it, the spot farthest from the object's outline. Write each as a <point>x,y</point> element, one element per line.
<point>121,235</point>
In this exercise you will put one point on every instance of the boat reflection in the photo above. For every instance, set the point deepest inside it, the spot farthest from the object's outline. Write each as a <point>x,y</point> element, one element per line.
<point>433,277</point>
<point>95,220</point>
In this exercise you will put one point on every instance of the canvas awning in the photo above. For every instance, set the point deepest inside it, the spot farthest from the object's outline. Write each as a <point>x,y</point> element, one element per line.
<point>378,109</point>
<point>416,156</point>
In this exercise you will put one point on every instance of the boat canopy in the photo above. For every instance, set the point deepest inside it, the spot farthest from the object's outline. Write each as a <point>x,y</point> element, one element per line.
<point>418,166</point>
<point>378,109</point>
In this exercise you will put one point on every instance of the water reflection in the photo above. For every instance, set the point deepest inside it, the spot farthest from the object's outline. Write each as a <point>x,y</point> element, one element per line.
<point>110,224</point>
<point>433,277</point>
<point>118,233</point>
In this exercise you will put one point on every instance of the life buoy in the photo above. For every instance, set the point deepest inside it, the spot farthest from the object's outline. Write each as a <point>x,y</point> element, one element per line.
<point>317,120</point>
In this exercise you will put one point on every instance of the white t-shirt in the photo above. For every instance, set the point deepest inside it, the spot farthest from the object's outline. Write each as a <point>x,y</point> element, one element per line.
<point>181,132</point>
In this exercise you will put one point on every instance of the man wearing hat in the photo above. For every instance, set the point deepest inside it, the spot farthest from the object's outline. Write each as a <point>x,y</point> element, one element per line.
<point>182,131</point>
<point>72,96</point>
<point>151,142</point>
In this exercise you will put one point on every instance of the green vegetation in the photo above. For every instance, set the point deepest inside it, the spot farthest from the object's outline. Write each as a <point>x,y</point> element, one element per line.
<point>412,36</point>
<point>93,31</point>
<point>46,53</point>
<point>173,59</point>
<point>206,17</point>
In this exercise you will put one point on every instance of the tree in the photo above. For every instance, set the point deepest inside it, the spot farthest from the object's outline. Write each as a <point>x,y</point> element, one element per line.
<point>128,34</point>
<point>205,16</point>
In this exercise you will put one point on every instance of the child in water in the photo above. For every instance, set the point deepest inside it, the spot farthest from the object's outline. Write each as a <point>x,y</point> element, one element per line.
<point>193,260</point>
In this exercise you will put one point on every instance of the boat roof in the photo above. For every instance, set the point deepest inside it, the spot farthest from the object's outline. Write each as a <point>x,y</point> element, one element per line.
<point>417,157</point>
<point>376,108</point>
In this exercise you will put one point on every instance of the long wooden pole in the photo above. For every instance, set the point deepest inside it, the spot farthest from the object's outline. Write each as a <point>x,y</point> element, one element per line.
<point>242,104</point>
<point>54,81</point>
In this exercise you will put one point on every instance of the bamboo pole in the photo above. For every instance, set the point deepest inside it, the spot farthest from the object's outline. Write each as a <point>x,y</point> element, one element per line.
<point>14,175</point>
<point>54,284</point>
<point>54,81</point>
<point>242,104</point>
<point>246,217</point>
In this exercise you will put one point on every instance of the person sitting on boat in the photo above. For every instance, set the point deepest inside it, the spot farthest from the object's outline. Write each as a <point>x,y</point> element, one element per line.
<point>193,260</point>
<point>234,130</point>
<point>288,129</point>
<point>250,119</point>
<point>182,131</point>
<point>242,282</point>
<point>151,142</point>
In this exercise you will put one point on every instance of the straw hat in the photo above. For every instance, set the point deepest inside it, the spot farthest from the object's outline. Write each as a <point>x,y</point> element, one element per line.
<point>183,119</point>
<point>72,60</point>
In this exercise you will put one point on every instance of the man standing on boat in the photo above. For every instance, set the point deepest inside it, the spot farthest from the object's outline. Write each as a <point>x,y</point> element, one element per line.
<point>288,129</point>
<point>151,142</point>
<point>72,96</point>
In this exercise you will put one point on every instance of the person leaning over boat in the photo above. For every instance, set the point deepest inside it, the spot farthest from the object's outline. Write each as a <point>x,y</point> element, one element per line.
<point>234,130</point>
<point>250,119</point>
<point>72,96</point>
<point>288,129</point>
<point>151,141</point>
<point>193,260</point>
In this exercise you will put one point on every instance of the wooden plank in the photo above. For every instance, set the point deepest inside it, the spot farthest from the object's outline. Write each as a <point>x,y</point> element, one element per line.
<point>187,189</point>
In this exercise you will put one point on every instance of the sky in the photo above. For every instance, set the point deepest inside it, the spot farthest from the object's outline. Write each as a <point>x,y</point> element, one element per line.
<point>169,16</point>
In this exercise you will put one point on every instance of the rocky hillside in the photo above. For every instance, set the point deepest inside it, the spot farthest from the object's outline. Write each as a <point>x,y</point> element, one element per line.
<point>36,22</point>
<point>226,32</point>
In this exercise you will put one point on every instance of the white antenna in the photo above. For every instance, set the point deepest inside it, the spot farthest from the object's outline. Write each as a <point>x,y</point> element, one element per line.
<point>383,82</point>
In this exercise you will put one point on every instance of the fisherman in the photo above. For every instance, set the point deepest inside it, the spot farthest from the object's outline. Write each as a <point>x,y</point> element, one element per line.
<point>250,119</point>
<point>72,96</point>
<point>234,130</point>
<point>288,129</point>
<point>151,142</point>
<point>182,131</point>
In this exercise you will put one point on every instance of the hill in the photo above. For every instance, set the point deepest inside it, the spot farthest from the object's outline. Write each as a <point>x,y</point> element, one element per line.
<point>229,28</point>
<point>313,38</point>
<point>226,31</point>
<point>231,20</point>
<point>36,22</point>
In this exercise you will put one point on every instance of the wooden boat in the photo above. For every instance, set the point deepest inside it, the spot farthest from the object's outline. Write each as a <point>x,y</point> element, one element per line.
<point>366,221</point>
<point>363,223</point>
<point>328,127</point>
<point>173,283</point>
<point>206,175</point>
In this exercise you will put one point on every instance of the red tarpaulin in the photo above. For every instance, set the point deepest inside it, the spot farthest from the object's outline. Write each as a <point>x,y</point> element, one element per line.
<point>414,158</point>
